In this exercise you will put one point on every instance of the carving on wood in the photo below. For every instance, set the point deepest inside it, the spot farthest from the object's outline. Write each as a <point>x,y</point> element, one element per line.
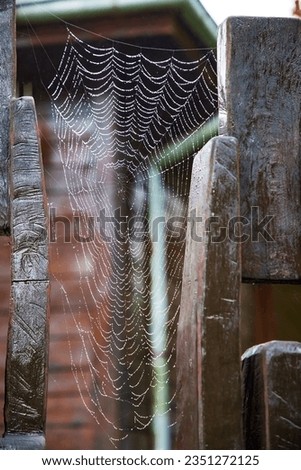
<point>7,91</point>
<point>26,365</point>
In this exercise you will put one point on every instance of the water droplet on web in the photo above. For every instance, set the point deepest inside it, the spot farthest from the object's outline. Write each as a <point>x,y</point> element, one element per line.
<point>128,126</point>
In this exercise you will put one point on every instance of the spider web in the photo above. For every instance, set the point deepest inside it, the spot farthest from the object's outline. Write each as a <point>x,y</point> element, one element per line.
<point>128,122</point>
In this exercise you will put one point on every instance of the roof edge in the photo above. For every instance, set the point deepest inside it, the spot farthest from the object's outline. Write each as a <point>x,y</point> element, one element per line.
<point>192,11</point>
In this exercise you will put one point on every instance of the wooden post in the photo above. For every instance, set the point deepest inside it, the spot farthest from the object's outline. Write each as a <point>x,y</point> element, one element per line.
<point>272,399</point>
<point>208,349</point>
<point>26,365</point>
<point>7,90</point>
<point>259,103</point>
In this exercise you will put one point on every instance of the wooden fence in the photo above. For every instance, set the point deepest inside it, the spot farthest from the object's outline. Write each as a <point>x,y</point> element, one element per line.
<point>246,186</point>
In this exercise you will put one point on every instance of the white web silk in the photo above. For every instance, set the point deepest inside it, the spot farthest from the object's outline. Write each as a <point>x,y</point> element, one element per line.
<point>128,125</point>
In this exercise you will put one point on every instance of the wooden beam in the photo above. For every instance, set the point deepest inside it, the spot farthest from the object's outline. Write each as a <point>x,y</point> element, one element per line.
<point>110,26</point>
<point>27,352</point>
<point>7,91</point>
<point>208,349</point>
<point>259,102</point>
<point>272,400</point>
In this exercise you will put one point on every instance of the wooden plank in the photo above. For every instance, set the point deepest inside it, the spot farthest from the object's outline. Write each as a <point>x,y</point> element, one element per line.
<point>259,101</point>
<point>26,365</point>
<point>7,90</point>
<point>27,350</point>
<point>208,350</point>
<point>28,211</point>
<point>272,400</point>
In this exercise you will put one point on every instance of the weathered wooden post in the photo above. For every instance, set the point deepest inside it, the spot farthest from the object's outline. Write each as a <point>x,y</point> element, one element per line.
<point>208,349</point>
<point>259,105</point>
<point>272,384</point>
<point>7,91</point>
<point>23,198</point>
<point>260,93</point>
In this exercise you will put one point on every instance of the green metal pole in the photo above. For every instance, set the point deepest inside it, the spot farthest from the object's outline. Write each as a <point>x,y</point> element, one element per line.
<point>159,312</point>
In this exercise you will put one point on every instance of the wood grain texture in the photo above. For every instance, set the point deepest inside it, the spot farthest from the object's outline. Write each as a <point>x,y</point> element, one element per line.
<point>272,400</point>
<point>27,192</point>
<point>208,350</point>
<point>7,90</point>
<point>259,101</point>
<point>27,350</point>
<point>26,366</point>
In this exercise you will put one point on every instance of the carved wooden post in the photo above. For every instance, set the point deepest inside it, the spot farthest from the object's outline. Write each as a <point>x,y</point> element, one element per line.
<point>26,364</point>
<point>208,349</point>
<point>272,403</point>
<point>7,90</point>
<point>23,213</point>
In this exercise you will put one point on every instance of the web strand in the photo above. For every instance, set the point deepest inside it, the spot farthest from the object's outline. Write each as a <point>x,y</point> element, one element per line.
<point>128,126</point>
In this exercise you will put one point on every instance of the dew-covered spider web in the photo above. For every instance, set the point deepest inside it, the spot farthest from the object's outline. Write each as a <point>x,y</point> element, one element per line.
<point>128,123</point>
